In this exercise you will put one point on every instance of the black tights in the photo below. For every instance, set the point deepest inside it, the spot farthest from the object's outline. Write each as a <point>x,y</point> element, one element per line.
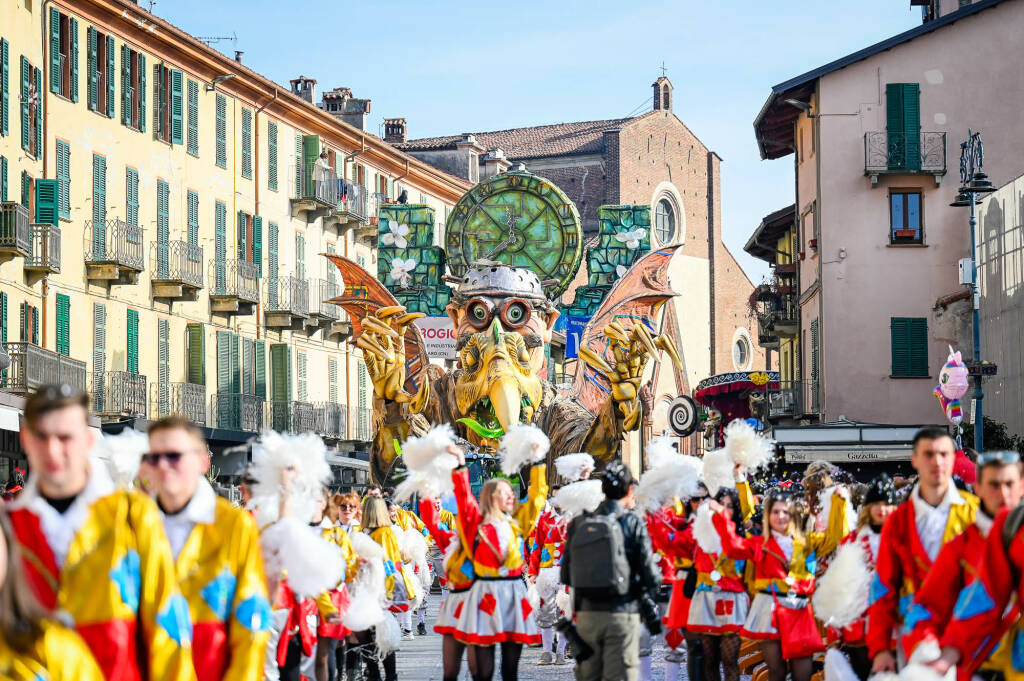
<point>859,660</point>
<point>801,667</point>
<point>724,651</point>
<point>694,657</point>
<point>451,653</point>
<point>367,651</point>
<point>481,661</point>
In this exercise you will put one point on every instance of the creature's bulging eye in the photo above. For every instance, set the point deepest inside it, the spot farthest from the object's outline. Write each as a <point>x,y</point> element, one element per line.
<point>478,313</point>
<point>516,314</point>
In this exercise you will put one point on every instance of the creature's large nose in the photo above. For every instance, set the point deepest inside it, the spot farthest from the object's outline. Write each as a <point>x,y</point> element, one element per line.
<point>504,391</point>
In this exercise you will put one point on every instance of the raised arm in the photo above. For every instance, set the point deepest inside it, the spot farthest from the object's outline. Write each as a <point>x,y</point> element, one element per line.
<point>536,496</point>
<point>733,545</point>
<point>468,518</point>
<point>431,520</point>
<point>747,504</point>
<point>826,542</point>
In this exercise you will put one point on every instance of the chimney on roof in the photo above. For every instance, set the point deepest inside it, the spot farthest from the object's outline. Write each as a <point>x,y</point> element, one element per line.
<point>305,88</point>
<point>238,55</point>
<point>662,94</point>
<point>340,103</point>
<point>395,131</point>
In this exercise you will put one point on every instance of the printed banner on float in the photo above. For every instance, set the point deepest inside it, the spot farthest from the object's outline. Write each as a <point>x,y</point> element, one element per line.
<point>438,336</point>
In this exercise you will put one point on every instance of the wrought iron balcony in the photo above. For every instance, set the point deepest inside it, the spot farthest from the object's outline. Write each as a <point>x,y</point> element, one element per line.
<point>360,426</point>
<point>237,411</point>
<point>323,290</point>
<point>33,366</point>
<point>352,207</point>
<point>900,153</point>
<point>189,400</point>
<point>120,393</point>
<point>293,416</point>
<point>315,188</point>
<point>778,314</point>
<point>113,251</point>
<point>45,253</point>
<point>15,233</point>
<point>179,270</point>
<point>235,288</point>
<point>794,399</point>
<point>287,303</point>
<point>332,420</point>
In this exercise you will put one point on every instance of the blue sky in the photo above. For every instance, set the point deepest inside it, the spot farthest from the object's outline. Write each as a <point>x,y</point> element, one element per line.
<point>452,67</point>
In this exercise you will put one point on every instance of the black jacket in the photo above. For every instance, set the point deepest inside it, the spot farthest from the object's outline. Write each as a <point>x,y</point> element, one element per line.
<point>645,575</point>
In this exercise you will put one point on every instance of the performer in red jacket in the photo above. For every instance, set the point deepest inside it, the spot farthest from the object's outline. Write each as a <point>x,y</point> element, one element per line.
<point>911,539</point>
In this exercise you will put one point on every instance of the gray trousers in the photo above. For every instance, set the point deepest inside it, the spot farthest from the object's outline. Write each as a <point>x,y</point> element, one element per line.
<point>615,638</point>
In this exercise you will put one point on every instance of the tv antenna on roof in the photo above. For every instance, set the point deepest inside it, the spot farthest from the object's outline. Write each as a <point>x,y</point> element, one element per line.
<point>209,40</point>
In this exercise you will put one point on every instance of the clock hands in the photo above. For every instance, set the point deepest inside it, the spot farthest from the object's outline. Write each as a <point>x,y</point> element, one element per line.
<point>510,236</point>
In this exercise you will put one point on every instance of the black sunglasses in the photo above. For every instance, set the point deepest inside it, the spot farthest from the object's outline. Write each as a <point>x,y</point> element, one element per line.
<point>1006,457</point>
<point>350,507</point>
<point>153,458</point>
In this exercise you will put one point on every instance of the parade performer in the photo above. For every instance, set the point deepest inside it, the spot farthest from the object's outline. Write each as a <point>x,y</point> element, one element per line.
<point>331,633</point>
<point>33,646</point>
<point>959,562</point>
<point>96,553</point>
<point>497,611</point>
<point>217,555</point>
<point>912,538</point>
<point>780,616</point>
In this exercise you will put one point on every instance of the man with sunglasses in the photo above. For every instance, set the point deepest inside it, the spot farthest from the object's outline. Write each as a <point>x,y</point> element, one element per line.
<point>911,540</point>
<point>217,555</point>
<point>94,554</point>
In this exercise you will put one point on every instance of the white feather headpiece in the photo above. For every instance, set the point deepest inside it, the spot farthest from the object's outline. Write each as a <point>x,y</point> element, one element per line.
<point>311,564</point>
<point>274,452</point>
<point>579,497</point>
<point>719,470</point>
<point>419,452</point>
<point>122,453</point>
<point>841,595</point>
<point>518,447</point>
<point>573,467</point>
<point>747,447</point>
<point>670,476</point>
<point>430,465</point>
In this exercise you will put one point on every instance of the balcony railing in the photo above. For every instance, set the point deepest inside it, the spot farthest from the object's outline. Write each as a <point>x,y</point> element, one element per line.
<point>235,279</point>
<point>236,411</point>
<point>33,366</point>
<point>360,424</point>
<point>316,183</point>
<point>293,417</point>
<point>124,393</point>
<point>794,399</point>
<point>322,291</point>
<point>45,253</point>
<point>178,262</point>
<point>288,294</point>
<point>353,199</point>
<point>332,420</point>
<point>114,242</point>
<point>898,152</point>
<point>189,400</point>
<point>15,234</point>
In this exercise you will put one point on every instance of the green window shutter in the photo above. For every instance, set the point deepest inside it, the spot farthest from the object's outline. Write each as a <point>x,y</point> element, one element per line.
<point>248,366</point>
<point>3,178</point>
<point>132,197</point>
<point>126,85</point>
<point>5,87</point>
<point>272,265</point>
<point>132,359</point>
<point>3,317</point>
<point>272,156</point>
<point>246,143</point>
<point>64,179</point>
<point>310,153</point>
<point>25,139</point>
<point>177,107</point>
<point>38,118</point>
<point>196,339</point>
<point>93,68</point>
<point>257,244</point>
<point>280,373</point>
<point>142,92</point>
<point>73,42</point>
<point>55,70</point>
<point>332,273</point>
<point>298,166</point>
<point>919,346</point>
<point>99,354</point>
<point>110,76</point>
<point>163,370</point>
<point>222,131</point>
<point>220,222</point>
<point>300,370</point>
<point>243,250</point>
<point>163,227</point>
<point>63,324</point>
<point>99,203</point>
<point>193,218</point>
<point>261,369</point>
<point>903,125</point>
<point>26,187</point>
<point>225,406</point>
<point>193,117</point>
<point>909,346</point>
<point>46,202</point>
<point>363,400</point>
<point>332,379</point>
<point>300,255</point>
<point>236,365</point>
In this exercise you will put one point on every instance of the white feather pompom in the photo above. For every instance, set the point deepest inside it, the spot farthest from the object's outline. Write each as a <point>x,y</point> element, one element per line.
<point>719,470</point>
<point>366,609</point>
<point>841,595</point>
<point>419,452</point>
<point>387,636</point>
<point>885,676</point>
<point>660,452</point>
<point>429,464</point>
<point>122,453</point>
<point>837,667</point>
<point>573,467</point>
<point>307,454</point>
<point>704,531</point>
<point>926,651</point>
<point>532,597</point>
<point>825,499</point>
<point>574,499</point>
<point>311,564</point>
<point>676,477</point>
<point>549,582</point>
<point>522,444</point>
<point>747,447</point>
<point>414,551</point>
<point>365,547</point>
<point>564,603</point>
<point>919,672</point>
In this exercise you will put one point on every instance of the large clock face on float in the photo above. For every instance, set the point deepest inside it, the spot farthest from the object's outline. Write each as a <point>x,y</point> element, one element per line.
<point>521,220</point>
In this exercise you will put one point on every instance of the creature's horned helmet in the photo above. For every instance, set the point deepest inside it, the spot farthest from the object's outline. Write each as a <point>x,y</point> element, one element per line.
<point>500,281</point>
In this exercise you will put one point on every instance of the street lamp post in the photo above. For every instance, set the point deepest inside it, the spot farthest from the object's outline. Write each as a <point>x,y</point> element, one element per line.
<point>974,181</point>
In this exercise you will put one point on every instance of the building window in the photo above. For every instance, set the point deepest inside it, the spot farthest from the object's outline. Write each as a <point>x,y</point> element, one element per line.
<point>63,55</point>
<point>905,217</point>
<point>250,240</point>
<point>222,131</point>
<point>664,222</point>
<point>272,156</point>
<point>193,118</point>
<point>133,92</point>
<point>909,347</point>
<point>247,143</point>
<point>5,87</point>
<point>168,91</point>
<point>741,353</point>
<point>101,73</point>
<point>64,179</point>
<point>31,109</point>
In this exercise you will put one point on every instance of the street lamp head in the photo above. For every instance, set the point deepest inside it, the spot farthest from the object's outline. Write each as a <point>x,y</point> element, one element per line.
<point>980,184</point>
<point>962,199</point>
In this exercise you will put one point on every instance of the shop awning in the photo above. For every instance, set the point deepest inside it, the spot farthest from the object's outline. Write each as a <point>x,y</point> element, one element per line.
<point>851,455</point>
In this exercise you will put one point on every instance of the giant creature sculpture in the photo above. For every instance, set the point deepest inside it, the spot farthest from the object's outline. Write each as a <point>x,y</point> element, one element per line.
<point>503,315</point>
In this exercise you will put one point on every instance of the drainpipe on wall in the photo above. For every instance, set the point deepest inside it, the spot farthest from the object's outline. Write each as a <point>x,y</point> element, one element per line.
<point>256,179</point>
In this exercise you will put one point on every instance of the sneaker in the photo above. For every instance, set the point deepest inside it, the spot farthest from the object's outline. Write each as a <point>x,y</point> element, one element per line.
<point>407,635</point>
<point>421,629</point>
<point>560,659</point>
<point>545,658</point>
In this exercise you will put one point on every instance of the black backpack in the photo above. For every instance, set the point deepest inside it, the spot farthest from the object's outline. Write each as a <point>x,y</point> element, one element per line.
<point>599,567</point>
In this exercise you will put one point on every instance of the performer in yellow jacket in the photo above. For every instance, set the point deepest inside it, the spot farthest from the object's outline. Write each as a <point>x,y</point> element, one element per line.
<point>96,554</point>
<point>217,556</point>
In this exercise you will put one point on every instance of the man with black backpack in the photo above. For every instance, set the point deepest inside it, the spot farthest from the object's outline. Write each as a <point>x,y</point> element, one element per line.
<point>613,571</point>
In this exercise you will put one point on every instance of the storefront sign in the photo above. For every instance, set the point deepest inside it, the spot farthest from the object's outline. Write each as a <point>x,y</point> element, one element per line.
<point>438,336</point>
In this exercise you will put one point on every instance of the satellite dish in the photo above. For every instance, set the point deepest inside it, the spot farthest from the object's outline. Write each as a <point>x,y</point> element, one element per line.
<point>682,416</point>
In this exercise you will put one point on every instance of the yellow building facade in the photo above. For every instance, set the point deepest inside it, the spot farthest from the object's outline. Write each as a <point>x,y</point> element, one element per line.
<point>164,214</point>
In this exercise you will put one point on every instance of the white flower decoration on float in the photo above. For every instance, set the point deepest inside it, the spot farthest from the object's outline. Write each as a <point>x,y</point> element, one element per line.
<point>401,271</point>
<point>396,234</point>
<point>632,238</point>
<point>620,270</point>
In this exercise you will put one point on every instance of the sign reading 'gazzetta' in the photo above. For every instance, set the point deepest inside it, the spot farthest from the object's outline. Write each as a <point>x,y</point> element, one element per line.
<point>438,336</point>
